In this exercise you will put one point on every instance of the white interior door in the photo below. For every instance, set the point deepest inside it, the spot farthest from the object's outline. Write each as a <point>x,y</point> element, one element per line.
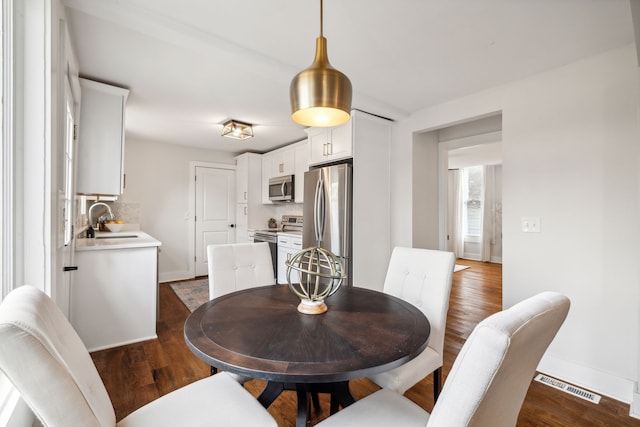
<point>65,208</point>
<point>214,212</point>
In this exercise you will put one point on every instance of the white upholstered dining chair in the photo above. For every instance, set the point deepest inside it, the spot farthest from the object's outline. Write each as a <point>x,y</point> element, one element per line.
<point>236,266</point>
<point>488,381</point>
<point>47,362</point>
<point>423,278</point>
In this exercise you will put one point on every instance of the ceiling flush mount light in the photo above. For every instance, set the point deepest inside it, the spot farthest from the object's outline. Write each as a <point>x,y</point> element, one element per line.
<point>237,130</point>
<point>320,95</point>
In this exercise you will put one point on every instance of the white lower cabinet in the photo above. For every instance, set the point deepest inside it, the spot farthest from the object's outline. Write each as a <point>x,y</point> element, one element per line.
<point>288,246</point>
<point>113,296</point>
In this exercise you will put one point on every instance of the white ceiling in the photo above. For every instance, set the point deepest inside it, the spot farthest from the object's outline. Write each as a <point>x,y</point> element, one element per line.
<point>192,64</point>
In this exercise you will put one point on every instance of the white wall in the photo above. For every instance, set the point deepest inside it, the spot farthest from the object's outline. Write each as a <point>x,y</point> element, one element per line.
<point>33,139</point>
<point>571,156</point>
<point>425,171</point>
<point>158,179</point>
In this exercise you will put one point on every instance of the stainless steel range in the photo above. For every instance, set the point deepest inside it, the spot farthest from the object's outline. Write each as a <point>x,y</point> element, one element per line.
<point>289,224</point>
<point>292,224</point>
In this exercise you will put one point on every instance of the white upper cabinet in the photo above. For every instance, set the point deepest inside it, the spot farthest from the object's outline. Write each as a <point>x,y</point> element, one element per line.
<point>282,162</point>
<point>289,160</point>
<point>242,178</point>
<point>330,144</point>
<point>267,170</point>
<point>248,178</point>
<point>250,212</point>
<point>101,139</point>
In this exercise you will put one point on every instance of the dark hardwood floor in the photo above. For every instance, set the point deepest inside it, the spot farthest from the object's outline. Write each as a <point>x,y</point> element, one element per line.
<point>139,373</point>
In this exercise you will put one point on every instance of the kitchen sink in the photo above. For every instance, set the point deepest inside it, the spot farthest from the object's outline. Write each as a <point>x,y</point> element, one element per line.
<point>128,236</point>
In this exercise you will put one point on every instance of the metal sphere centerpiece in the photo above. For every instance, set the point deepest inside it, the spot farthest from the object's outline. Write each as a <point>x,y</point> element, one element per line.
<point>314,274</point>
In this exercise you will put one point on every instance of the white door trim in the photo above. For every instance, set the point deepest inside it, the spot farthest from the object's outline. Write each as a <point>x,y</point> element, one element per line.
<point>191,224</point>
<point>7,221</point>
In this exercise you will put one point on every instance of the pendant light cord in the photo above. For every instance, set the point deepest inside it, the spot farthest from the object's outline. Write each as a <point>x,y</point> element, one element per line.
<point>321,14</point>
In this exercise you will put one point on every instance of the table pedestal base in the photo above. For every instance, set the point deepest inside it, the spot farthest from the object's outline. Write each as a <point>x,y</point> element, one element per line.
<point>340,396</point>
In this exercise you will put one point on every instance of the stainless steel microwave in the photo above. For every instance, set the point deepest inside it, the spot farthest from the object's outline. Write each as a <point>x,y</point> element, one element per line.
<point>281,189</point>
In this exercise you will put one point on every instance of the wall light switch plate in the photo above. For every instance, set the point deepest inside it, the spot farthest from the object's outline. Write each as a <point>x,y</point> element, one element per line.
<point>531,224</point>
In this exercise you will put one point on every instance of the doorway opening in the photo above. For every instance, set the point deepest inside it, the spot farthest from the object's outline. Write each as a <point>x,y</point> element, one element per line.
<point>470,188</point>
<point>473,142</point>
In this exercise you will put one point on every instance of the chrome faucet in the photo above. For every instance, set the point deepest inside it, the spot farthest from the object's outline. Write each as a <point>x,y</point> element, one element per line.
<point>91,209</point>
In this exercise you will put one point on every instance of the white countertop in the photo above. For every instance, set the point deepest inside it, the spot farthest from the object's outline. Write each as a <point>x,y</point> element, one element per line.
<point>290,233</point>
<point>109,240</point>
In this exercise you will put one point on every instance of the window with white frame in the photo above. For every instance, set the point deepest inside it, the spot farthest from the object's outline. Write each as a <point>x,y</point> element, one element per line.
<point>472,200</point>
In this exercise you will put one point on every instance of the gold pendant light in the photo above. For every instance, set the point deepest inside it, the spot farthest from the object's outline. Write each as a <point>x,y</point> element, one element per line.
<point>320,95</point>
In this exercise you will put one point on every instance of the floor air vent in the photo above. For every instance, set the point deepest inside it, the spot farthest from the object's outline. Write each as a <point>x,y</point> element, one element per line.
<point>568,388</point>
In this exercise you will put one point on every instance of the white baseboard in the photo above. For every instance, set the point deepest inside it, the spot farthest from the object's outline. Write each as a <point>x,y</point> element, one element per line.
<point>121,343</point>
<point>173,276</point>
<point>635,406</point>
<point>597,381</point>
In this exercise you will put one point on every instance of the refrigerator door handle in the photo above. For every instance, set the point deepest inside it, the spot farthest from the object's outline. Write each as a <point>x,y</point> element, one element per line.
<point>318,210</point>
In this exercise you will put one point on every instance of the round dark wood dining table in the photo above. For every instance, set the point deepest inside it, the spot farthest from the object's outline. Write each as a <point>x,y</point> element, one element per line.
<point>259,333</point>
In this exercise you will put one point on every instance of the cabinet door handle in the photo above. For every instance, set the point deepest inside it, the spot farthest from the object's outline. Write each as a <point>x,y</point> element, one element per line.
<point>281,167</point>
<point>70,268</point>
<point>327,149</point>
<point>245,210</point>
<point>245,195</point>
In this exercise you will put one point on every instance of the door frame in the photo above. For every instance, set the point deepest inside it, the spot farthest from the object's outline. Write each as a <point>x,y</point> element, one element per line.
<point>190,216</point>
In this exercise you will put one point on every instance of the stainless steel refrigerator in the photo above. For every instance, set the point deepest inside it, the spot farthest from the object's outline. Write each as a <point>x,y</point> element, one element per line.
<point>327,212</point>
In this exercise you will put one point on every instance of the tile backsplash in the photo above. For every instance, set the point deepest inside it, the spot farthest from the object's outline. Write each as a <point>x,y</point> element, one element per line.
<point>128,212</point>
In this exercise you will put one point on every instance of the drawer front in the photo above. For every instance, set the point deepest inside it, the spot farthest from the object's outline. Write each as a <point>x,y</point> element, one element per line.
<point>290,242</point>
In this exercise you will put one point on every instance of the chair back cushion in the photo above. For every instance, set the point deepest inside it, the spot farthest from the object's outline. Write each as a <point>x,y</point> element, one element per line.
<point>48,363</point>
<point>237,266</point>
<point>491,375</point>
<point>423,277</point>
